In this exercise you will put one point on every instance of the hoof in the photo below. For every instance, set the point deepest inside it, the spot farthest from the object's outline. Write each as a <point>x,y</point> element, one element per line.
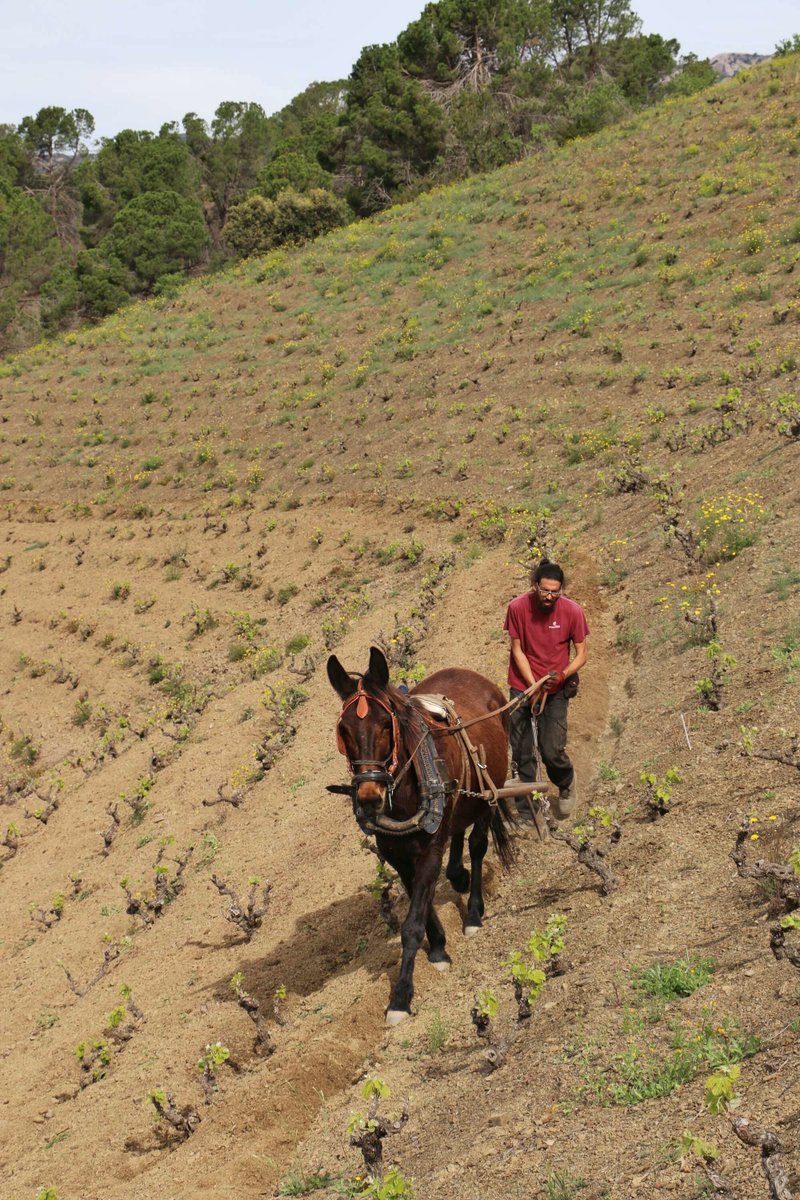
<point>394,1016</point>
<point>443,965</point>
<point>471,930</point>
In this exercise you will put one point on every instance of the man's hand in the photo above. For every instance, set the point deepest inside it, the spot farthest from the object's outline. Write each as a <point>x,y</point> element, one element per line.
<point>554,682</point>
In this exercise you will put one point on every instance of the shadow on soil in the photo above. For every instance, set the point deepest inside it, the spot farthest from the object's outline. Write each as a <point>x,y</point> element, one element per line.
<point>344,937</point>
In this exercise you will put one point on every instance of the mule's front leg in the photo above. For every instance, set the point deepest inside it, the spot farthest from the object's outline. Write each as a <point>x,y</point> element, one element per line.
<point>434,930</point>
<point>478,845</point>
<point>421,919</point>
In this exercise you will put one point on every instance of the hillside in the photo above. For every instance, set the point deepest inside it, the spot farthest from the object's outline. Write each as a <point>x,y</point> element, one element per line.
<point>592,353</point>
<point>462,90</point>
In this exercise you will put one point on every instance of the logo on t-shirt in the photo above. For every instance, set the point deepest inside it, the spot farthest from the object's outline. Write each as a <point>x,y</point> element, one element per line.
<point>554,625</point>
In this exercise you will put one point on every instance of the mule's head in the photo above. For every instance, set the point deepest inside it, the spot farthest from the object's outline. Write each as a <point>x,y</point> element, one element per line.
<point>367,731</point>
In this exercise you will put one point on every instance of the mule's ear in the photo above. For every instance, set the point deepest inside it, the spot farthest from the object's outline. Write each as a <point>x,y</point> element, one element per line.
<point>343,684</point>
<point>378,669</point>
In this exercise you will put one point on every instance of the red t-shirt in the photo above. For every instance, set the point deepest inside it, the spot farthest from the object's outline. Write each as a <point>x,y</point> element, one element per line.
<point>544,636</point>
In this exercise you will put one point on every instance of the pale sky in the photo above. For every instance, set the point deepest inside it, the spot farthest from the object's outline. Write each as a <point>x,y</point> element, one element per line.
<point>138,63</point>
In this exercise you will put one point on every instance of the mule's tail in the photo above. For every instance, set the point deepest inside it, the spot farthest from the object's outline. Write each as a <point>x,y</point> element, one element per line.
<point>503,843</point>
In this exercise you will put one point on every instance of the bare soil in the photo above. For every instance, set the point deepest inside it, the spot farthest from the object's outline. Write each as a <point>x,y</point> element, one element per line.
<point>155,594</point>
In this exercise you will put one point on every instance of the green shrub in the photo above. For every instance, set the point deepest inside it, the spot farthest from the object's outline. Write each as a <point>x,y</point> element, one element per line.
<point>295,1184</point>
<point>297,643</point>
<point>264,660</point>
<point>258,224</point>
<point>560,1185</point>
<point>642,1074</point>
<point>237,651</point>
<point>674,981</point>
<point>437,1033</point>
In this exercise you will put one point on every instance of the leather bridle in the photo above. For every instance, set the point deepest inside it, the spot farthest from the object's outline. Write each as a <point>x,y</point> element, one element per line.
<point>370,770</point>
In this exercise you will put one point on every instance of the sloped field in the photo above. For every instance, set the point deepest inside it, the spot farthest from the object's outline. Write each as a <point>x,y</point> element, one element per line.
<point>371,440</point>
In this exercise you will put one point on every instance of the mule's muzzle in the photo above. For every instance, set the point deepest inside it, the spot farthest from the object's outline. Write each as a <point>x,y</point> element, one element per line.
<point>372,789</point>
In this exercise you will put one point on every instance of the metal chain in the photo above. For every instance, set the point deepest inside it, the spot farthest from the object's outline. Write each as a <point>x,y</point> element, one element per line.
<point>475,795</point>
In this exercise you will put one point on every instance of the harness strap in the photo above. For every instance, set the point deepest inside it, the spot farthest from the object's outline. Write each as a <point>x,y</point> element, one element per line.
<point>469,752</point>
<point>433,777</point>
<point>470,755</point>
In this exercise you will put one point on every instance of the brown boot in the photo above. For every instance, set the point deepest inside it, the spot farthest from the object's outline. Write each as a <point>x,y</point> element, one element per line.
<point>566,803</point>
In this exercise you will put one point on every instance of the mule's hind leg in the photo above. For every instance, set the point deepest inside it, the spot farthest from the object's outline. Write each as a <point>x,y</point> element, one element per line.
<point>478,845</point>
<point>434,931</point>
<point>456,872</point>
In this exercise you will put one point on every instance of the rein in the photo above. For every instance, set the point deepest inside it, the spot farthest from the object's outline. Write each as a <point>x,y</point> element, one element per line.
<point>495,712</point>
<point>429,815</point>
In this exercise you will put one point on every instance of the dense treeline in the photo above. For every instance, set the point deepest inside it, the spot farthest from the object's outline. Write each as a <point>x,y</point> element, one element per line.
<point>469,86</point>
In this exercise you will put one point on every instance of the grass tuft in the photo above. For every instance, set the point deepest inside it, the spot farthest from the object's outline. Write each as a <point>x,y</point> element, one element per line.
<point>675,981</point>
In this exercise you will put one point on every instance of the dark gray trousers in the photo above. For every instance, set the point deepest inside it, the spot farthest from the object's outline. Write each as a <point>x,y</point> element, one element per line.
<point>552,730</point>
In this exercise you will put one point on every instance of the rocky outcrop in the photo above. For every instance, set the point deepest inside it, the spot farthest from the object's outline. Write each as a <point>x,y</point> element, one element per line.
<point>728,65</point>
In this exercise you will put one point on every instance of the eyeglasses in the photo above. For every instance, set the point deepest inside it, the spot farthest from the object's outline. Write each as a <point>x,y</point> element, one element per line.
<point>553,594</point>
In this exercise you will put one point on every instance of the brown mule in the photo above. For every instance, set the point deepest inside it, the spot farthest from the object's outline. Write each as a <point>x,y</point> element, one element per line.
<point>380,731</point>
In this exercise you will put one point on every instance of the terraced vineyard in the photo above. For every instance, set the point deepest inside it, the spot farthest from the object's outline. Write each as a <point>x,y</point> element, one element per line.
<point>370,441</point>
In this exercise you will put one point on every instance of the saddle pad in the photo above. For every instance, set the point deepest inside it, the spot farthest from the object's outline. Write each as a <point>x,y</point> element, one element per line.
<point>432,704</point>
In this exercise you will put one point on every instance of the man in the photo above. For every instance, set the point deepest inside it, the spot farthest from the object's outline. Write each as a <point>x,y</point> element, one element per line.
<point>543,624</point>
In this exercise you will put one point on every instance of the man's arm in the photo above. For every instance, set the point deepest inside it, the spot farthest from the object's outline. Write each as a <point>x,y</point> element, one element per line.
<point>521,662</point>
<point>580,659</point>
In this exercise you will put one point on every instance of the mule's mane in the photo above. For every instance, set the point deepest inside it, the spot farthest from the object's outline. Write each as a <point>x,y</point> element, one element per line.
<point>408,715</point>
